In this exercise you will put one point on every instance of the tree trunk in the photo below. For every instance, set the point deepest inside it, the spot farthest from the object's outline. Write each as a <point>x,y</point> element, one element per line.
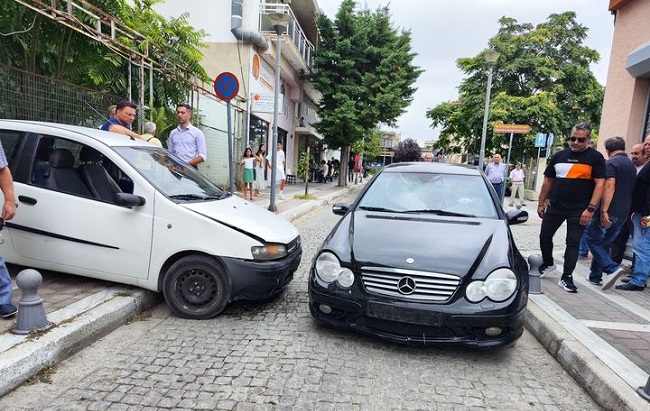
<point>343,167</point>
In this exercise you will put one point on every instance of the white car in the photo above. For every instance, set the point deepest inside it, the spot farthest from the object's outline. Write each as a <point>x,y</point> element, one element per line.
<point>102,205</point>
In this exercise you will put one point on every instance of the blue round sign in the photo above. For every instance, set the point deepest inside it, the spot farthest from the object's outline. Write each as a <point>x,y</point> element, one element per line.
<point>226,86</point>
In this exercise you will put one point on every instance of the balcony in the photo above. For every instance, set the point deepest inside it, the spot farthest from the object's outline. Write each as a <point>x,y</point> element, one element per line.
<point>296,48</point>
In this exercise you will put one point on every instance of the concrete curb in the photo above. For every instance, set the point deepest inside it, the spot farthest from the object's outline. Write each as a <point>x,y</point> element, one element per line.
<point>36,352</point>
<point>605,387</point>
<point>299,211</point>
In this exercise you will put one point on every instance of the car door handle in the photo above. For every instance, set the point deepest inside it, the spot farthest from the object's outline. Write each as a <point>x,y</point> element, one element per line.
<point>27,200</point>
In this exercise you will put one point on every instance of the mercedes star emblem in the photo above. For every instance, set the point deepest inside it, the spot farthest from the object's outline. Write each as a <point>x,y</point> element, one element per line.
<point>406,285</point>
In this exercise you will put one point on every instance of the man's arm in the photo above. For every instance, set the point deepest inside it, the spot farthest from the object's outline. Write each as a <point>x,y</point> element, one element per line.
<point>7,187</point>
<point>608,194</point>
<point>543,196</point>
<point>201,147</point>
<point>116,128</point>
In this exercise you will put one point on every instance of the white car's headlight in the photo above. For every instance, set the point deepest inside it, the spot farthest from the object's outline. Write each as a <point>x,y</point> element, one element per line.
<point>269,251</point>
<point>328,269</point>
<point>498,286</point>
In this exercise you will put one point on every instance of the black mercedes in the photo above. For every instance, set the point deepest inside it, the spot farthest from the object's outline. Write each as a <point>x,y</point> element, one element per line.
<point>423,255</point>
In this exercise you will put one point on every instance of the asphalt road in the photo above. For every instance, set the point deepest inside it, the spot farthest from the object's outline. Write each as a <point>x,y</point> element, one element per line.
<point>273,356</point>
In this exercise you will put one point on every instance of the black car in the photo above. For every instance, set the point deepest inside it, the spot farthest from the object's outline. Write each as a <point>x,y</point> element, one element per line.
<point>423,255</point>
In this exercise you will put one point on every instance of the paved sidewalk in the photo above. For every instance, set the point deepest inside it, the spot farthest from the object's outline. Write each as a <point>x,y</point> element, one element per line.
<point>602,338</point>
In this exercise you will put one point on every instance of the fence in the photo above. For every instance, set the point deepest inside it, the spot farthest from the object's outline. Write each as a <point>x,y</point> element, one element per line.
<point>29,96</point>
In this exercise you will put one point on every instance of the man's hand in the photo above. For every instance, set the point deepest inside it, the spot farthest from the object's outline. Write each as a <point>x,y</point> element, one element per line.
<point>585,217</point>
<point>541,210</point>
<point>604,219</point>
<point>8,210</point>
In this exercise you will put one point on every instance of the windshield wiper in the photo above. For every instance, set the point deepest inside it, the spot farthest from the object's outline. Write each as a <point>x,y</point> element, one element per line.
<point>187,197</point>
<point>438,212</point>
<point>386,210</point>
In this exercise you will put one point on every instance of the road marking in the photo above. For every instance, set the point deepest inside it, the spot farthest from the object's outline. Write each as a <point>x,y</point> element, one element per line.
<point>609,325</point>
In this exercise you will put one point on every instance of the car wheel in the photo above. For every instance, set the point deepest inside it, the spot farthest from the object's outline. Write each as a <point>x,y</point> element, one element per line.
<point>196,287</point>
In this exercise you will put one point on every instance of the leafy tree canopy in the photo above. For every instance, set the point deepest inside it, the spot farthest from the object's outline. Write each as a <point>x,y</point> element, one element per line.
<point>542,78</point>
<point>407,150</point>
<point>365,72</point>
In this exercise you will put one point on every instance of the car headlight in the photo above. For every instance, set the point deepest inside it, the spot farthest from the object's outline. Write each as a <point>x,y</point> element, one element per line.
<point>328,269</point>
<point>498,286</point>
<point>269,251</point>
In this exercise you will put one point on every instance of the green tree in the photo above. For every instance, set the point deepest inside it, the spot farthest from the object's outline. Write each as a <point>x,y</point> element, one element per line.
<point>365,72</point>
<point>407,150</point>
<point>542,78</point>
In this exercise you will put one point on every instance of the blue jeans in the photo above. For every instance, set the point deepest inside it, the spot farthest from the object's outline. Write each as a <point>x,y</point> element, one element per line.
<point>599,240</point>
<point>5,283</point>
<point>498,187</point>
<point>641,248</point>
<point>583,251</point>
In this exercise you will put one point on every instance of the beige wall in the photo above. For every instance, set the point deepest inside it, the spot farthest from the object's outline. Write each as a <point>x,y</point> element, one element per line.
<point>625,96</point>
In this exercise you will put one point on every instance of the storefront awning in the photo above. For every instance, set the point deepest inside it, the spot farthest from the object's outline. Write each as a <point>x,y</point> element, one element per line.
<point>307,131</point>
<point>638,62</point>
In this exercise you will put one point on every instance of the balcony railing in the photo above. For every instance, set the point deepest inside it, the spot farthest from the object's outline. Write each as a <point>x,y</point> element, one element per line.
<point>303,47</point>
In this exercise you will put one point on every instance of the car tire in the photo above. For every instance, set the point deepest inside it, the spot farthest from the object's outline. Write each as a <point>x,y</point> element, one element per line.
<point>196,287</point>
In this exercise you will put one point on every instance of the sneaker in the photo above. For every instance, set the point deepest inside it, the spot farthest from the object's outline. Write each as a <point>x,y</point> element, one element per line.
<point>583,257</point>
<point>523,205</point>
<point>593,282</point>
<point>511,204</point>
<point>626,279</point>
<point>545,269</point>
<point>7,310</point>
<point>629,287</point>
<point>566,283</point>
<point>610,279</point>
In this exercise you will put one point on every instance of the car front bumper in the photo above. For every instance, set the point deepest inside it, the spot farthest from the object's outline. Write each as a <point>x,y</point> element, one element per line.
<point>259,280</point>
<point>420,323</point>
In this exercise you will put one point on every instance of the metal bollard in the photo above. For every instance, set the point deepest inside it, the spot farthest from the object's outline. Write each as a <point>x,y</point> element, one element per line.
<point>644,392</point>
<point>31,313</point>
<point>534,283</point>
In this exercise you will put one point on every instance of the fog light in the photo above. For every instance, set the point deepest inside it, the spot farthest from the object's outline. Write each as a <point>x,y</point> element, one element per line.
<point>493,331</point>
<point>325,309</point>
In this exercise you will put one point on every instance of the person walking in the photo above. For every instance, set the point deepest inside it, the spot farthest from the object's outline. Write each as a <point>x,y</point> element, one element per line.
<point>641,224</point>
<point>517,177</point>
<point>248,173</point>
<point>149,134</point>
<point>572,188</point>
<point>279,168</point>
<point>612,214</point>
<point>496,173</point>
<point>259,170</point>
<point>186,141</point>
<point>7,309</point>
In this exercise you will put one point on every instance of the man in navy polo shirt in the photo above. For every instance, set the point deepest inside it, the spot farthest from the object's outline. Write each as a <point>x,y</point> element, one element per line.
<point>187,141</point>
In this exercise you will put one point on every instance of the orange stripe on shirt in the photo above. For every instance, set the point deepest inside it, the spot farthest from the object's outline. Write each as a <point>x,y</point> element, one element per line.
<point>579,171</point>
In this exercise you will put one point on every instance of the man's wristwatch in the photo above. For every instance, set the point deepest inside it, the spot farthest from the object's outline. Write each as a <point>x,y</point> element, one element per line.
<point>591,208</point>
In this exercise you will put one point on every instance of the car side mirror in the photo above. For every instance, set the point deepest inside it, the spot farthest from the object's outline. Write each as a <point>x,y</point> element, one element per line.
<point>517,216</point>
<point>340,208</point>
<point>129,200</point>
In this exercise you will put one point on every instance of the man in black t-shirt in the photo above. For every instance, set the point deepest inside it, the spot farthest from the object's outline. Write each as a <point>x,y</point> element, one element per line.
<point>620,176</point>
<point>573,185</point>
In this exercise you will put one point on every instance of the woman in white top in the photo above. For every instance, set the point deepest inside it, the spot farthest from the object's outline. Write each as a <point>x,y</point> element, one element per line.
<point>248,173</point>
<point>259,170</point>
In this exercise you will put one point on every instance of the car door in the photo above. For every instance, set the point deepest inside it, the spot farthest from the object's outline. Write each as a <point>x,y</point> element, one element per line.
<point>67,229</point>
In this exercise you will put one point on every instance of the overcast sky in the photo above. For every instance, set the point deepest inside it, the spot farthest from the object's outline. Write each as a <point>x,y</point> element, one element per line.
<point>443,31</point>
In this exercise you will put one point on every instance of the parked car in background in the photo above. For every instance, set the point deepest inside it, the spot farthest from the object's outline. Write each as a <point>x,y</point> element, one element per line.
<point>423,255</point>
<point>98,204</point>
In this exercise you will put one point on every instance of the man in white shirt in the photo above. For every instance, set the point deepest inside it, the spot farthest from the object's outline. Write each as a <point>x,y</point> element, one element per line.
<point>517,179</point>
<point>279,168</point>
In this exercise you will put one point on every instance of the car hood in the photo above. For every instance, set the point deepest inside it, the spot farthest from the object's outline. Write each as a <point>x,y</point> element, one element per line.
<point>247,217</point>
<point>449,245</point>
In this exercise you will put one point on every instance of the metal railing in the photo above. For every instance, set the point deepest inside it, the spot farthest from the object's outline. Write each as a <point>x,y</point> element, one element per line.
<point>294,31</point>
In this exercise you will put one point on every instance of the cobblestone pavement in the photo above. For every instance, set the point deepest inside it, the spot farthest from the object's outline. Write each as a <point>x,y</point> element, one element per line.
<point>273,356</point>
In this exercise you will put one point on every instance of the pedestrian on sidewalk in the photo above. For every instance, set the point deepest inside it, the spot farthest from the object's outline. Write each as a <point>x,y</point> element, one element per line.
<point>517,177</point>
<point>641,223</point>
<point>496,173</point>
<point>279,168</point>
<point>573,185</point>
<point>259,170</point>
<point>612,214</point>
<point>7,309</point>
<point>248,173</point>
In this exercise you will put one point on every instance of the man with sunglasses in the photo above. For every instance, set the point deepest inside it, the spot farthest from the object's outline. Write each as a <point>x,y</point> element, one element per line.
<point>573,185</point>
<point>7,309</point>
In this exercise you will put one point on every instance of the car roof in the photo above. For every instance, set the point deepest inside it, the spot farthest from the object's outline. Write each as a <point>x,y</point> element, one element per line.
<point>103,137</point>
<point>438,168</point>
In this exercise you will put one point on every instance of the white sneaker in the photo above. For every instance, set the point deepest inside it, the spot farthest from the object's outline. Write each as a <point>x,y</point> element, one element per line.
<point>545,269</point>
<point>610,279</point>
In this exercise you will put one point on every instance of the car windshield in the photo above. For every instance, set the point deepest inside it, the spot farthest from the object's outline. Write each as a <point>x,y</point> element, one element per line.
<point>430,193</point>
<point>171,176</point>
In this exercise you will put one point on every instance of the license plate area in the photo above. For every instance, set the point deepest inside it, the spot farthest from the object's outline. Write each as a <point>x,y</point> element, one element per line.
<point>402,314</point>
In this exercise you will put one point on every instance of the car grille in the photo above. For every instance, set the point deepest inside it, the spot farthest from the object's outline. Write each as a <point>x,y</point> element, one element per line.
<point>409,284</point>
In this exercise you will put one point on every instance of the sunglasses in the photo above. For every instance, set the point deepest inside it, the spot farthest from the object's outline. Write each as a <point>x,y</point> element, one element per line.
<point>578,139</point>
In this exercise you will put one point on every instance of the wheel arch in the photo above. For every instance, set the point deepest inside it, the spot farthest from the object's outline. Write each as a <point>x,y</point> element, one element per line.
<point>173,258</point>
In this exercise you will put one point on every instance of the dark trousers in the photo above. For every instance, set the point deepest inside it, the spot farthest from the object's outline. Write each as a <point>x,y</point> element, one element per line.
<point>552,220</point>
<point>617,250</point>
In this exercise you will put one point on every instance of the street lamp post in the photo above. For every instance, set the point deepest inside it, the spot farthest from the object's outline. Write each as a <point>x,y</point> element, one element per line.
<point>279,21</point>
<point>491,57</point>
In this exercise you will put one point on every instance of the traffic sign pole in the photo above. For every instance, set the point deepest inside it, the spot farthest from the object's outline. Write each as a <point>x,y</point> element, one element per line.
<point>226,87</point>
